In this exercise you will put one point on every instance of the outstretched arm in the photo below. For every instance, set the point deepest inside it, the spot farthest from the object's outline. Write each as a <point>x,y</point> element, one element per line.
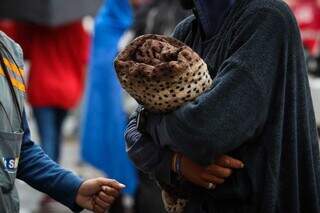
<point>43,174</point>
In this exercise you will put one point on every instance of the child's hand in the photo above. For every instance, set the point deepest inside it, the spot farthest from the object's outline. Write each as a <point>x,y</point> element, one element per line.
<point>98,194</point>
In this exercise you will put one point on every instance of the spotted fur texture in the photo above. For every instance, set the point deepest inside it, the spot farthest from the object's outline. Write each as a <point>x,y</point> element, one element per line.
<point>172,204</point>
<point>161,73</point>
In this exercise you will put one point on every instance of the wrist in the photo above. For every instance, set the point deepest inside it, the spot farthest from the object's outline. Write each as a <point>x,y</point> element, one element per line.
<point>78,195</point>
<point>177,164</point>
<point>77,200</point>
<point>173,162</point>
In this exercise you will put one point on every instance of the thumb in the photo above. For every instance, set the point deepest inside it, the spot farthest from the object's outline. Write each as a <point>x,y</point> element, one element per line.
<point>111,183</point>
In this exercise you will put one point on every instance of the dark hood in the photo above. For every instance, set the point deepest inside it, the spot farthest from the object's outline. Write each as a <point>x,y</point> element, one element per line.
<point>211,14</point>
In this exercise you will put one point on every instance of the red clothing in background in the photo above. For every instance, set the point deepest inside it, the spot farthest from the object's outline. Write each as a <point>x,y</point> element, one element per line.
<point>308,17</point>
<point>58,57</point>
<point>8,27</point>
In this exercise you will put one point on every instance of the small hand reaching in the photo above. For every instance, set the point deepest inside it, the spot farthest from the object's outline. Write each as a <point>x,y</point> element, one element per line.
<point>98,194</point>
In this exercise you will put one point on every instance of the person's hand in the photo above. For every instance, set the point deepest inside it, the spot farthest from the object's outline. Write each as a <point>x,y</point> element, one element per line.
<point>98,194</point>
<point>212,175</point>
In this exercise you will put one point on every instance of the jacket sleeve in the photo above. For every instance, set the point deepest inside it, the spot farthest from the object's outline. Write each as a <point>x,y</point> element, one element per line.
<point>147,156</point>
<point>236,107</point>
<point>43,174</point>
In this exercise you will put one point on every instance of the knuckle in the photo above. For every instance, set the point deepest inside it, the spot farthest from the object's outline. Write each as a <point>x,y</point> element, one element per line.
<point>108,190</point>
<point>227,162</point>
<point>215,170</point>
<point>203,175</point>
<point>228,172</point>
<point>212,168</point>
<point>105,205</point>
<point>100,179</point>
<point>233,161</point>
<point>112,199</point>
<point>113,181</point>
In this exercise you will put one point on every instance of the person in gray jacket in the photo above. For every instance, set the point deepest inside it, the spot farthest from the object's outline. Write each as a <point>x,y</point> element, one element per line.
<point>21,158</point>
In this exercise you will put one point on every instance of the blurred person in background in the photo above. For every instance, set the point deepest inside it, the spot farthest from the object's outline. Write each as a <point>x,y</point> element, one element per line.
<point>21,158</point>
<point>259,110</point>
<point>104,120</point>
<point>307,13</point>
<point>58,60</point>
<point>8,27</point>
<point>149,18</point>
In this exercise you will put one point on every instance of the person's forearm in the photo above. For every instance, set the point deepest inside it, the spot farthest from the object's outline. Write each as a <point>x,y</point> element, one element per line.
<point>43,174</point>
<point>40,172</point>
<point>216,123</point>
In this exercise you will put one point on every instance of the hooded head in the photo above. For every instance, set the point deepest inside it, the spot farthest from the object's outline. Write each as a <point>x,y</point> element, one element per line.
<point>210,13</point>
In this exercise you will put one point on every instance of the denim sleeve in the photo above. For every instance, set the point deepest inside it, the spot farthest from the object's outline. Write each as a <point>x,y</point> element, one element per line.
<point>147,155</point>
<point>43,174</point>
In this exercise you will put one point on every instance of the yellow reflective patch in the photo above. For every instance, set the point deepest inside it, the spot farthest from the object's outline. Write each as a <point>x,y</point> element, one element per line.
<point>17,84</point>
<point>16,162</point>
<point>19,71</point>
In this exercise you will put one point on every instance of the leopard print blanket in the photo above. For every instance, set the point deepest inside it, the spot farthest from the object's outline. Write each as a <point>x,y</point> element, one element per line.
<point>161,73</point>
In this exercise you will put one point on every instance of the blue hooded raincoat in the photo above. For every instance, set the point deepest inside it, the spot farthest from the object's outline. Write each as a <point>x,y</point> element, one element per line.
<point>103,125</point>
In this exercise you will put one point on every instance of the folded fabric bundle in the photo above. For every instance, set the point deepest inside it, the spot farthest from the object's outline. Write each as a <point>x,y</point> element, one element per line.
<point>161,73</point>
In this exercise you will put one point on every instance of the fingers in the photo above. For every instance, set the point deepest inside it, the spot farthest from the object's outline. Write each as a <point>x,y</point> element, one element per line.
<point>99,202</point>
<point>106,198</point>
<point>208,178</point>
<point>219,171</point>
<point>102,202</point>
<point>229,162</point>
<point>205,182</point>
<point>98,209</point>
<point>111,183</point>
<point>110,191</point>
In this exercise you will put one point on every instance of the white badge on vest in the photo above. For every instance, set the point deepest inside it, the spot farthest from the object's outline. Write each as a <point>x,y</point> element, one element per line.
<point>10,164</point>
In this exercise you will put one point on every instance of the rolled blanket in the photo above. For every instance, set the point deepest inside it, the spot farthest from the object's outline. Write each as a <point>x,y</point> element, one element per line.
<point>161,73</point>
